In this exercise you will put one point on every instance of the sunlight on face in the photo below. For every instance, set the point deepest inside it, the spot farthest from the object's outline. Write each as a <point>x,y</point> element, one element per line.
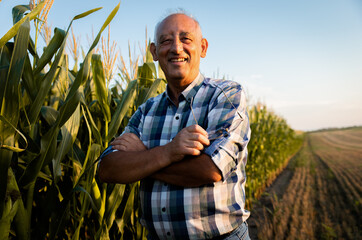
<point>179,48</point>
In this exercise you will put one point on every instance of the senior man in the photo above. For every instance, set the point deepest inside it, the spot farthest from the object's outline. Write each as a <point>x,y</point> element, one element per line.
<point>187,146</point>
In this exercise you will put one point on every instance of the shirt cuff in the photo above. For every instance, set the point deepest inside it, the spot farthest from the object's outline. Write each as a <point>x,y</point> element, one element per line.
<point>223,158</point>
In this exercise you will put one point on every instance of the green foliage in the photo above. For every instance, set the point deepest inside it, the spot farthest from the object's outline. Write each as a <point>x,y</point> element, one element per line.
<point>55,122</point>
<point>271,145</point>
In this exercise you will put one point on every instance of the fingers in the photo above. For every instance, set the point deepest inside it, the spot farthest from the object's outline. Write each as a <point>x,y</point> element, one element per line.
<point>198,129</point>
<point>198,134</point>
<point>199,138</point>
<point>128,142</point>
<point>190,141</point>
<point>119,147</point>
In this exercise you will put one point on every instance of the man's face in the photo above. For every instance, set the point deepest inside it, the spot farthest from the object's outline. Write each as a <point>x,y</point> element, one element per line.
<point>179,48</point>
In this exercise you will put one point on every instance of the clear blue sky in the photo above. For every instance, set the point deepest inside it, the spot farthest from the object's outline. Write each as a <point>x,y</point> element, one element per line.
<point>303,59</point>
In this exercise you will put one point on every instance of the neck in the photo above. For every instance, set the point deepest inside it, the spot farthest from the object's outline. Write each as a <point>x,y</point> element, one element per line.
<point>175,92</point>
<point>177,86</point>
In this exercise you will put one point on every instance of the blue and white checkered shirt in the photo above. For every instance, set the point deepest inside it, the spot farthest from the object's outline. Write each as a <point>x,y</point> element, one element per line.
<point>174,212</point>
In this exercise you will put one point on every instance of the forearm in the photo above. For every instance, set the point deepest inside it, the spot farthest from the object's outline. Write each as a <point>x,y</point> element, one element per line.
<point>132,166</point>
<point>133,161</point>
<point>192,171</point>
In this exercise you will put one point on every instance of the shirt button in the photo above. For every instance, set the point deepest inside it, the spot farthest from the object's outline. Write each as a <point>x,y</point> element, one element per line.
<point>163,209</point>
<point>168,233</point>
<point>177,117</point>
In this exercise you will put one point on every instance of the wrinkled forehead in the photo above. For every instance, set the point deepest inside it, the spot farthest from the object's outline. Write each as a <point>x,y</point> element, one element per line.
<point>177,24</point>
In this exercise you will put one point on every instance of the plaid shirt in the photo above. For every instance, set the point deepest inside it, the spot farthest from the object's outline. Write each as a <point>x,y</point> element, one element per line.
<point>173,212</point>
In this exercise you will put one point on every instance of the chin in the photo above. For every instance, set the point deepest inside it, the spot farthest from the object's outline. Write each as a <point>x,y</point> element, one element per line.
<point>176,76</point>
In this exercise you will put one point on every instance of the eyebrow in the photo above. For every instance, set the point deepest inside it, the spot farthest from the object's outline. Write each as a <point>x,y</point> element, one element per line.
<point>182,34</point>
<point>186,34</point>
<point>163,36</point>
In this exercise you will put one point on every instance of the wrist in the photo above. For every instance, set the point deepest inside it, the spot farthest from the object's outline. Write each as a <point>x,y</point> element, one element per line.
<point>164,157</point>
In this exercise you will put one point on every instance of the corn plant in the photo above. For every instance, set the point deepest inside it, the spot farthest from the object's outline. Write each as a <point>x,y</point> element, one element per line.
<point>54,123</point>
<point>271,145</point>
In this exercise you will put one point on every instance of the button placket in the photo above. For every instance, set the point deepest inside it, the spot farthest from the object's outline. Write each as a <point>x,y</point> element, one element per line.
<point>176,120</point>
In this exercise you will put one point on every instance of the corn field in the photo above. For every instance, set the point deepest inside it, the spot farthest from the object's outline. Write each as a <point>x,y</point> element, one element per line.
<point>55,122</point>
<point>271,146</point>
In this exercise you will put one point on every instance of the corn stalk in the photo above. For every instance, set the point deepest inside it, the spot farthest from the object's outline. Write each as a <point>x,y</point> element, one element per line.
<point>55,122</point>
<point>271,145</point>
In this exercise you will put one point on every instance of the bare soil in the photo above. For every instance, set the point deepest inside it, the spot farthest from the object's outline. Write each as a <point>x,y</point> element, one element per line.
<point>318,195</point>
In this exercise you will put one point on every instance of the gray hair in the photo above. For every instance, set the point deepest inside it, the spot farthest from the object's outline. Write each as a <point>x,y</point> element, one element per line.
<point>170,13</point>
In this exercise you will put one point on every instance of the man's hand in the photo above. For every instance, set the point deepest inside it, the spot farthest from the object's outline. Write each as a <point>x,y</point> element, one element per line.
<point>189,141</point>
<point>128,142</point>
<point>163,162</point>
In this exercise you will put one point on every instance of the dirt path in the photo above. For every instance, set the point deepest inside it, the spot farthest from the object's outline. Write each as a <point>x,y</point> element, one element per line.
<point>318,195</point>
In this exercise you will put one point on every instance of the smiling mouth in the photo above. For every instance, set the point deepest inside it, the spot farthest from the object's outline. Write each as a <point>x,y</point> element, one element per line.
<point>178,59</point>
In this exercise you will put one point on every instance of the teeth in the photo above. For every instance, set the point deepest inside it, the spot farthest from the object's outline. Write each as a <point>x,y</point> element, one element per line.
<point>178,59</point>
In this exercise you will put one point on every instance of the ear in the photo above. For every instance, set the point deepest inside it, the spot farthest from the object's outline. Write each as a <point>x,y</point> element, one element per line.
<point>204,46</point>
<point>153,52</point>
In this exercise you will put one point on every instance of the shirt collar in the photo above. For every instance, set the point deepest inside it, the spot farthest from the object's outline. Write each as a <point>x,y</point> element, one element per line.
<point>191,89</point>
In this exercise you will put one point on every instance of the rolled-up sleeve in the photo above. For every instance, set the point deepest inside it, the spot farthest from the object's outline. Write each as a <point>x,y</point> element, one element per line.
<point>228,129</point>
<point>133,126</point>
<point>135,123</point>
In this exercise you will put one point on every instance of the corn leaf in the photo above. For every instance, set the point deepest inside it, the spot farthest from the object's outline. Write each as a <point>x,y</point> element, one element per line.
<point>48,142</point>
<point>92,153</point>
<point>18,12</point>
<point>100,86</point>
<point>12,148</point>
<point>146,74</point>
<point>20,217</point>
<point>149,57</point>
<point>49,114</point>
<point>127,210</point>
<point>81,189</point>
<point>28,80</point>
<point>10,100</point>
<point>14,29</point>
<point>96,193</point>
<point>51,49</point>
<point>94,128</point>
<point>153,91</point>
<point>82,15</point>
<point>61,85</point>
<point>5,58</point>
<point>69,107</point>
<point>46,85</point>
<point>113,202</point>
<point>128,98</point>
<point>5,221</point>
<point>10,105</point>
<point>161,74</point>
<point>84,70</point>
<point>47,151</point>
<point>69,132</point>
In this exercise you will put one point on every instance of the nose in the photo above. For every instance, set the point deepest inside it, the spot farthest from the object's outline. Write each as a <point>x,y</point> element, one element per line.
<point>176,46</point>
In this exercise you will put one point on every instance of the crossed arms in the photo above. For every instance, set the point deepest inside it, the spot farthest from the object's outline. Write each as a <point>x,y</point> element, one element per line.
<point>180,162</point>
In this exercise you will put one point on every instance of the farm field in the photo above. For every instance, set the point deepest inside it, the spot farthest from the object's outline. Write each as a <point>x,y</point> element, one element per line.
<point>57,119</point>
<point>318,195</point>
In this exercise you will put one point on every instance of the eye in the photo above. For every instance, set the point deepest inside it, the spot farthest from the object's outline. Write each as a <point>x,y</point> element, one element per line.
<point>186,40</point>
<point>165,41</point>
